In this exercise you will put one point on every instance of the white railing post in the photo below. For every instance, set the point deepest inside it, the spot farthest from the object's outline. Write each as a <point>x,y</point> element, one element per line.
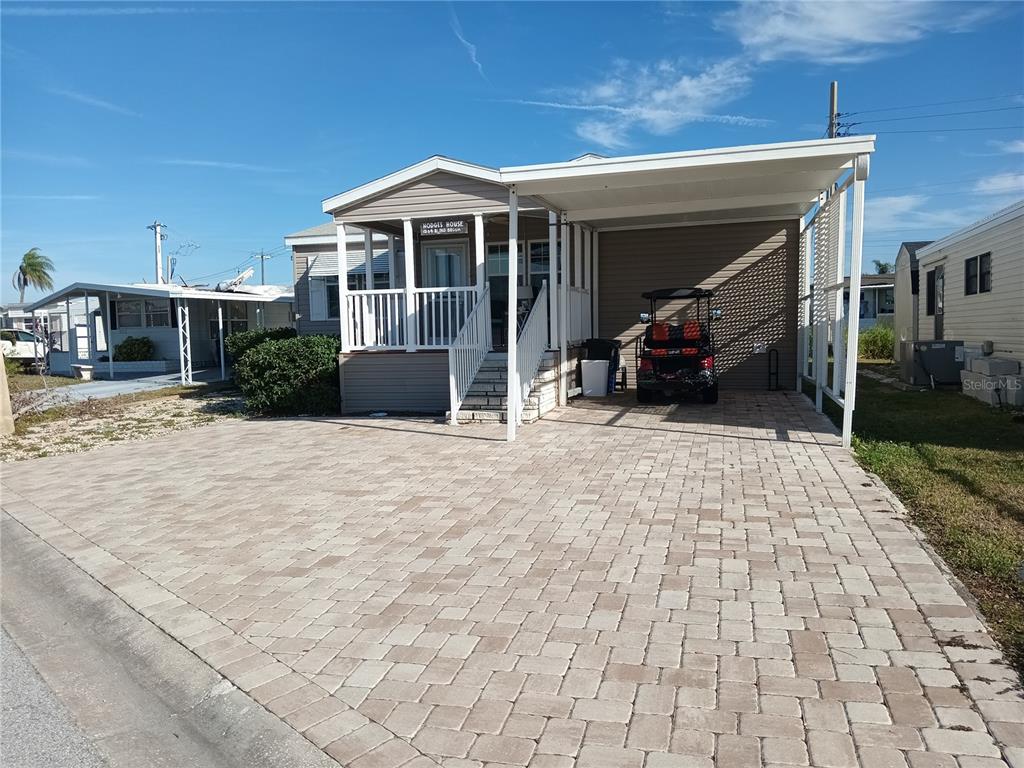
<point>344,318</point>
<point>511,407</point>
<point>411,331</point>
<point>552,280</point>
<point>860,170</point>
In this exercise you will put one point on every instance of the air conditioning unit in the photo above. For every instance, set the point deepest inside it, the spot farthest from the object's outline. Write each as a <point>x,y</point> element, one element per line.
<point>931,363</point>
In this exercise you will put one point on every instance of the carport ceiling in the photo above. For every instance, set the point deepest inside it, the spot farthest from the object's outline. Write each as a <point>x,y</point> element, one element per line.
<point>764,181</point>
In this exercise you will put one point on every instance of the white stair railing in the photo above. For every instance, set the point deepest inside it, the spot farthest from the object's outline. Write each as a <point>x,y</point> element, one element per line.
<point>467,353</point>
<point>531,343</point>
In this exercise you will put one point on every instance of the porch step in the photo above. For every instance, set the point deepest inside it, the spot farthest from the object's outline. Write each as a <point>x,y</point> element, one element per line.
<point>487,396</point>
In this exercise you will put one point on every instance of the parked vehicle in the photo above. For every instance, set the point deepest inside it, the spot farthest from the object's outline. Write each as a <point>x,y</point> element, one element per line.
<point>23,346</point>
<point>677,359</point>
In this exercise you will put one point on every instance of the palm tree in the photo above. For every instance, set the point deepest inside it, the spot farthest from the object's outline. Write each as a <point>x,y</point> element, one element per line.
<point>34,270</point>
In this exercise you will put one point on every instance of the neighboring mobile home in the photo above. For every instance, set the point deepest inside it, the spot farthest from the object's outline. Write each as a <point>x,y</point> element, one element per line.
<point>906,294</point>
<point>973,284</point>
<point>876,300</point>
<point>588,237</point>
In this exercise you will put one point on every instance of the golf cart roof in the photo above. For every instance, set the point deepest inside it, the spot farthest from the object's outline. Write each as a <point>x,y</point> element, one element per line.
<point>665,294</point>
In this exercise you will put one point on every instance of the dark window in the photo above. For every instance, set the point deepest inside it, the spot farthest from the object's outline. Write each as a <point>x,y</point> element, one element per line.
<point>985,273</point>
<point>331,286</point>
<point>971,276</point>
<point>930,293</point>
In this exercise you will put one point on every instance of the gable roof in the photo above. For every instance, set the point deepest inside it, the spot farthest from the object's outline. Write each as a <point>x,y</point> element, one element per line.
<point>982,225</point>
<point>411,173</point>
<point>913,246</point>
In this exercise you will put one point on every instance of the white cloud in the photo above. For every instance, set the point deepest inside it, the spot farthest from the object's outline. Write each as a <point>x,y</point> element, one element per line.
<point>75,9</point>
<point>223,165</point>
<point>850,32</point>
<point>56,198</point>
<point>1000,184</point>
<point>456,26</point>
<point>915,212</point>
<point>44,158</point>
<point>658,98</point>
<point>1015,146</point>
<point>93,101</point>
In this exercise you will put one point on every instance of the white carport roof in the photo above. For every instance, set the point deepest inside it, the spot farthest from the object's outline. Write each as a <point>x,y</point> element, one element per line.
<point>703,186</point>
<point>156,290</point>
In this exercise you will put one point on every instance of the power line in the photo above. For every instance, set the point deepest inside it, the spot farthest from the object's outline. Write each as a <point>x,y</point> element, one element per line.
<point>936,114</point>
<point>930,104</point>
<point>949,130</point>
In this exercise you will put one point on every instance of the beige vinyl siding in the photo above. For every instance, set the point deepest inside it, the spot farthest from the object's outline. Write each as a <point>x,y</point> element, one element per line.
<point>396,382</point>
<point>752,267</point>
<point>301,257</point>
<point>439,194</point>
<point>996,316</point>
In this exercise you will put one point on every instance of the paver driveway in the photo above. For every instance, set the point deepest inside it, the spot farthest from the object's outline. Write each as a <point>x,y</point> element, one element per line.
<point>657,587</point>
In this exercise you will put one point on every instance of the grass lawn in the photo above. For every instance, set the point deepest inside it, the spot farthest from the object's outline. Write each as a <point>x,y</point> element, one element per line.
<point>958,466</point>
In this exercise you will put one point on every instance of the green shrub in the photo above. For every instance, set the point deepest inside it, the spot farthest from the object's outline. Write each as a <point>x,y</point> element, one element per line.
<point>877,342</point>
<point>134,348</point>
<point>291,376</point>
<point>237,344</point>
<point>13,367</point>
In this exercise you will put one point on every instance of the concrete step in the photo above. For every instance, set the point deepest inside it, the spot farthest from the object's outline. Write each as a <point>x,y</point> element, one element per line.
<point>492,417</point>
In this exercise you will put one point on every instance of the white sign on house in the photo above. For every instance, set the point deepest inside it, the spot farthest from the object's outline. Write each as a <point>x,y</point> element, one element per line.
<point>444,227</point>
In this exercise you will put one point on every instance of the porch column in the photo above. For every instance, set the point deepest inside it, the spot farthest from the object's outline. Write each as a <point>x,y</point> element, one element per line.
<point>110,346</point>
<point>391,261</point>
<point>512,395</point>
<point>220,339</point>
<point>860,171</point>
<point>344,318</point>
<point>552,280</point>
<point>478,252</point>
<point>368,252</point>
<point>411,332</point>
<point>594,262</point>
<point>89,327</point>
<point>563,317</point>
<point>72,348</point>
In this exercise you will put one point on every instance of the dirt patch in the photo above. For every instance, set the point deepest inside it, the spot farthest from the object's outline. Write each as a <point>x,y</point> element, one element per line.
<point>85,426</point>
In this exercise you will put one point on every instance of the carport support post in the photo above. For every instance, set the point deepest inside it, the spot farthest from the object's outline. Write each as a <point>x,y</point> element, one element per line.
<point>563,317</point>
<point>343,316</point>
<point>577,248</point>
<point>552,279</point>
<point>479,253</point>
<point>860,170</point>
<point>512,395</point>
<point>595,318</point>
<point>803,319</point>
<point>839,366</point>
<point>220,338</point>
<point>110,345</point>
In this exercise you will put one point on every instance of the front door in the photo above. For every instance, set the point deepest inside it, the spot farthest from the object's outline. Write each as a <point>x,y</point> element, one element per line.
<point>940,295</point>
<point>446,265</point>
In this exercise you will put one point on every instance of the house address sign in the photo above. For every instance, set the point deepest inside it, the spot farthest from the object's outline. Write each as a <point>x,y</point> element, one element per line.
<point>444,227</point>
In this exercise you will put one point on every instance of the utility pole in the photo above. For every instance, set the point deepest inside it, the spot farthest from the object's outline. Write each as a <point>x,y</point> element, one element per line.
<point>833,110</point>
<point>263,266</point>
<point>158,238</point>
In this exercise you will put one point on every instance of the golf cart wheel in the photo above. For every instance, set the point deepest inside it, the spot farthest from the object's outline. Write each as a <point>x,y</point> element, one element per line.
<point>710,395</point>
<point>644,395</point>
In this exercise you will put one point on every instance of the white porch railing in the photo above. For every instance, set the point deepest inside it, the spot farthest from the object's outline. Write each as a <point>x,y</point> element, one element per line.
<point>531,343</point>
<point>376,319</point>
<point>468,351</point>
<point>580,321</point>
<point>441,313</point>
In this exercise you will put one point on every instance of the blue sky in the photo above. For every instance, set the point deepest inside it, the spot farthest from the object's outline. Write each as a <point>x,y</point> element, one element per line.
<point>230,122</point>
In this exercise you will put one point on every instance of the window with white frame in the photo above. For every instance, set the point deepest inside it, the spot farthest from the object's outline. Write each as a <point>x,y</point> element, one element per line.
<point>129,313</point>
<point>143,313</point>
<point>497,258</point>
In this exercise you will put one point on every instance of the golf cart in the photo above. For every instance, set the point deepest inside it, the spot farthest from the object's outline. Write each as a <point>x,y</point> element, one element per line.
<point>677,359</point>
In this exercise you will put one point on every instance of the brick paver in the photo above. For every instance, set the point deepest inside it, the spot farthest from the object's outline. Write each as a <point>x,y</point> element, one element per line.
<point>644,587</point>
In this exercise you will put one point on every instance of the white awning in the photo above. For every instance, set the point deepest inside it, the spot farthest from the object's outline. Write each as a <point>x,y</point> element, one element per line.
<point>285,294</point>
<point>705,186</point>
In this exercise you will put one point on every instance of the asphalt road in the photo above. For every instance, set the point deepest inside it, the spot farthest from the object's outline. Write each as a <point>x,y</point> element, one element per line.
<point>37,729</point>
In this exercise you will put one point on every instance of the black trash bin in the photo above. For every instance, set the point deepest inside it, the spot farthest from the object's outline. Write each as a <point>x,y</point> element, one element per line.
<point>606,349</point>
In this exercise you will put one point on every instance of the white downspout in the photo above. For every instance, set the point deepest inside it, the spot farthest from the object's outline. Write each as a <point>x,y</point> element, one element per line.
<point>512,394</point>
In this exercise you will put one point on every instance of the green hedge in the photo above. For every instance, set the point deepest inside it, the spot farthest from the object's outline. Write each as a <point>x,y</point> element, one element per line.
<point>237,344</point>
<point>291,377</point>
<point>877,342</point>
<point>134,348</point>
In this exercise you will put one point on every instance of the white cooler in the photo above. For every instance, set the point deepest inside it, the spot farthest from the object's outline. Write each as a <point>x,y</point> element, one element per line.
<point>595,378</point>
